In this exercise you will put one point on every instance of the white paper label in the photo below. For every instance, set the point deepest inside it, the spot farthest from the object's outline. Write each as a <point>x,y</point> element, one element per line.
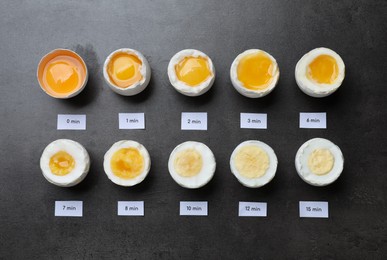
<point>69,208</point>
<point>313,120</point>
<point>130,208</point>
<point>193,121</point>
<point>252,209</point>
<point>71,122</point>
<point>253,121</point>
<point>193,208</point>
<point>314,209</point>
<point>131,121</point>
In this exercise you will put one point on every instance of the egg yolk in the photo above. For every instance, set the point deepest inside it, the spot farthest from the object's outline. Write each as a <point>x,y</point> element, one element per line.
<point>193,70</point>
<point>320,161</point>
<point>188,163</point>
<point>61,163</point>
<point>251,162</point>
<point>124,70</point>
<point>323,69</point>
<point>255,71</point>
<point>127,163</point>
<point>63,75</point>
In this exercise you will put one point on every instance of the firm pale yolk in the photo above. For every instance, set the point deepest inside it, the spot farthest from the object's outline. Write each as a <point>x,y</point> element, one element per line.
<point>193,70</point>
<point>252,162</point>
<point>255,71</point>
<point>127,163</point>
<point>188,163</point>
<point>63,75</point>
<point>323,70</point>
<point>124,70</point>
<point>61,163</point>
<point>321,161</point>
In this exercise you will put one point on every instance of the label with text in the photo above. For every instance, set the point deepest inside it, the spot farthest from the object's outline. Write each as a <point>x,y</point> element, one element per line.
<point>193,208</point>
<point>314,209</point>
<point>252,209</point>
<point>193,121</point>
<point>72,208</point>
<point>253,121</point>
<point>313,120</point>
<point>131,121</point>
<point>130,208</point>
<point>71,122</point>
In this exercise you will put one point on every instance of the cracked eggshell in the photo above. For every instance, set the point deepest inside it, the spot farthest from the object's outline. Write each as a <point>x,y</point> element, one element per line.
<point>239,85</point>
<point>312,88</point>
<point>181,86</point>
<point>135,88</point>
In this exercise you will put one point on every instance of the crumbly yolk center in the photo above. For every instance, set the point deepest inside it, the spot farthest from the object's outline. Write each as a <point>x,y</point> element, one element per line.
<point>193,70</point>
<point>323,69</point>
<point>127,163</point>
<point>61,163</point>
<point>321,161</point>
<point>252,161</point>
<point>255,71</point>
<point>188,163</point>
<point>124,70</point>
<point>63,74</point>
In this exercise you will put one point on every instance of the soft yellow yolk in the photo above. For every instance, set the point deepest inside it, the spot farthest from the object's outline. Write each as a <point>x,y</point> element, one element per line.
<point>255,71</point>
<point>127,163</point>
<point>193,70</point>
<point>124,70</point>
<point>61,163</point>
<point>188,163</point>
<point>321,161</point>
<point>63,75</point>
<point>251,162</point>
<point>323,69</point>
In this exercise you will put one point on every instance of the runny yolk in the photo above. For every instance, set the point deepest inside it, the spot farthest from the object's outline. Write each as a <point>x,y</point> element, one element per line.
<point>323,69</point>
<point>320,161</point>
<point>255,71</point>
<point>193,70</point>
<point>251,162</point>
<point>124,70</point>
<point>61,163</point>
<point>127,163</point>
<point>188,163</point>
<point>63,75</point>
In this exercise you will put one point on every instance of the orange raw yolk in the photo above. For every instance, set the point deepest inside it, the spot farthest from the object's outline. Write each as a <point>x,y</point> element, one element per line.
<point>124,70</point>
<point>193,70</point>
<point>63,75</point>
<point>127,163</point>
<point>255,71</point>
<point>61,163</point>
<point>323,69</point>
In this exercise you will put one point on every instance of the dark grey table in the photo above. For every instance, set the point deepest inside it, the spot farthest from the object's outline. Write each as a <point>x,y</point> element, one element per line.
<point>357,226</point>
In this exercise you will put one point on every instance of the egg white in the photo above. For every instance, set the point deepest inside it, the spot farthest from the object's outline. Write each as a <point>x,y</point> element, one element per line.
<point>238,85</point>
<point>135,88</point>
<point>302,157</point>
<point>81,158</point>
<point>270,172</point>
<point>205,174</point>
<point>313,88</point>
<point>126,144</point>
<point>181,86</point>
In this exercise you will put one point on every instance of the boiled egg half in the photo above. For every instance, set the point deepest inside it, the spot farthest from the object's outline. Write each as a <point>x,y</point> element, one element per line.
<point>65,162</point>
<point>254,73</point>
<point>127,72</point>
<point>127,163</point>
<point>191,72</point>
<point>192,164</point>
<point>320,72</point>
<point>319,162</point>
<point>253,163</point>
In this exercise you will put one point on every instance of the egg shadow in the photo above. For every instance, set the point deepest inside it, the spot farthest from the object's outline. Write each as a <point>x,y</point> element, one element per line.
<point>140,97</point>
